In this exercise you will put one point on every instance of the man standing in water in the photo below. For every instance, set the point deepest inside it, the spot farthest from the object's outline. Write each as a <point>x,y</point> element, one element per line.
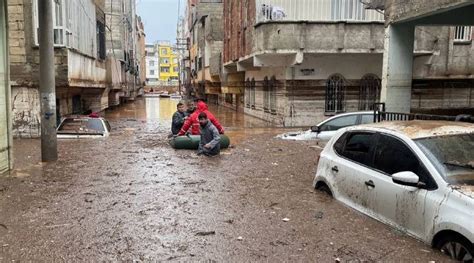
<point>179,117</point>
<point>210,144</point>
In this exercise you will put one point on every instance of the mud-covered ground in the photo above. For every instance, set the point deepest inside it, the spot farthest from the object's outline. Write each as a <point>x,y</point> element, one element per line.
<point>131,197</point>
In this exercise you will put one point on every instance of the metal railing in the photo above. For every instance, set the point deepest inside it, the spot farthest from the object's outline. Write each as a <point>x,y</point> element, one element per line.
<point>463,33</point>
<point>381,115</point>
<point>315,10</point>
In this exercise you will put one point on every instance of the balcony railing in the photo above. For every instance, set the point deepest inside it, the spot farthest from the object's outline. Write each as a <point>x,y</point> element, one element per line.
<point>315,10</point>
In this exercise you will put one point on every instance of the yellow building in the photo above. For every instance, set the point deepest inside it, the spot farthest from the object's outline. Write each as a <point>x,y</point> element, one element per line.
<point>169,69</point>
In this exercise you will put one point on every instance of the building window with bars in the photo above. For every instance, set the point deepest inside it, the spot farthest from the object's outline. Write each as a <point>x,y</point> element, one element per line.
<point>247,93</point>
<point>462,34</point>
<point>266,95</point>
<point>369,92</point>
<point>335,94</point>
<point>101,48</point>
<point>272,94</point>
<point>252,93</point>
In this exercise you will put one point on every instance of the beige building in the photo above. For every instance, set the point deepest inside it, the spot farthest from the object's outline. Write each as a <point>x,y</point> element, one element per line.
<point>80,61</point>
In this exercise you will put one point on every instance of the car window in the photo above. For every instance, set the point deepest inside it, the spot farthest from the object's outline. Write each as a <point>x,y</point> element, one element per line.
<point>338,123</point>
<point>393,156</point>
<point>108,125</point>
<point>358,147</point>
<point>367,118</point>
<point>339,144</point>
<point>95,124</point>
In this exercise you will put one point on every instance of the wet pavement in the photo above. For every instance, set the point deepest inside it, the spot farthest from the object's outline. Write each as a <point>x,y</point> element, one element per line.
<point>130,197</point>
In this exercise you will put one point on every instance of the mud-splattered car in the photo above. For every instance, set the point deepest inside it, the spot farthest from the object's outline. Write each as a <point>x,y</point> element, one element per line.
<point>83,127</point>
<point>327,128</point>
<point>417,176</point>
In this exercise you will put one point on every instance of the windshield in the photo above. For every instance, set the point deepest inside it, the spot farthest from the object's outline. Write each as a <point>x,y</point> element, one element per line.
<point>453,156</point>
<point>81,126</point>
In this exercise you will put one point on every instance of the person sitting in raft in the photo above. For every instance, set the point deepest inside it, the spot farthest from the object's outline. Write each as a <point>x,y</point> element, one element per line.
<point>179,117</point>
<point>191,107</point>
<point>210,144</point>
<point>193,122</point>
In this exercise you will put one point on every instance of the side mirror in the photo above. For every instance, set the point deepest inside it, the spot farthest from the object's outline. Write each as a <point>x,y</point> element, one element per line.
<point>316,129</point>
<point>406,178</point>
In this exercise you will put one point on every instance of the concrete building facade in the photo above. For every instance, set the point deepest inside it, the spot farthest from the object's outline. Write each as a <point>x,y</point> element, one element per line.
<point>168,63</point>
<point>6,159</point>
<point>122,49</point>
<point>293,63</point>
<point>153,65</point>
<point>429,56</point>
<point>206,40</point>
<point>141,54</point>
<point>81,78</point>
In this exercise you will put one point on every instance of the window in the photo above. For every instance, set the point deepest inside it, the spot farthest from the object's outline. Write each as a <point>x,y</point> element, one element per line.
<point>101,49</point>
<point>175,69</point>
<point>272,91</point>
<point>367,118</point>
<point>152,72</point>
<point>165,69</point>
<point>247,93</point>
<point>175,61</point>
<point>75,25</point>
<point>252,93</point>
<point>152,63</point>
<point>369,92</point>
<point>164,51</point>
<point>335,89</point>
<point>165,61</point>
<point>463,34</point>
<point>358,147</point>
<point>405,161</point>
<point>266,95</point>
<point>339,122</point>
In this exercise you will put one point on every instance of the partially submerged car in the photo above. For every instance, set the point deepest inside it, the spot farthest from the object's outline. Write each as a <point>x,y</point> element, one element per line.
<point>417,176</point>
<point>327,128</point>
<point>83,127</point>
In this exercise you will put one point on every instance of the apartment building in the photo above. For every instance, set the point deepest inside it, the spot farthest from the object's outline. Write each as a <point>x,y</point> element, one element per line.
<point>80,61</point>
<point>294,63</point>
<point>153,65</point>
<point>206,36</point>
<point>168,64</point>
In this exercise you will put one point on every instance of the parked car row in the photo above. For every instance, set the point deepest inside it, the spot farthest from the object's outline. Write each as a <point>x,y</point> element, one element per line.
<point>417,176</point>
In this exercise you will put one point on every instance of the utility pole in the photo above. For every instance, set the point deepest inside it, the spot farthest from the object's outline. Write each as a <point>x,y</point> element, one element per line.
<point>49,144</point>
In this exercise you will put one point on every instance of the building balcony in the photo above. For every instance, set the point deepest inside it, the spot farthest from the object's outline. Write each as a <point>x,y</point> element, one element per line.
<point>286,31</point>
<point>315,11</point>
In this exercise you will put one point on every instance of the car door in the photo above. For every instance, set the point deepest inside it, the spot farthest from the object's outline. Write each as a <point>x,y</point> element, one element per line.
<point>329,128</point>
<point>351,171</point>
<point>395,204</point>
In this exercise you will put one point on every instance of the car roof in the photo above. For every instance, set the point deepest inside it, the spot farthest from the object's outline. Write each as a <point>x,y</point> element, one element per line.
<point>418,129</point>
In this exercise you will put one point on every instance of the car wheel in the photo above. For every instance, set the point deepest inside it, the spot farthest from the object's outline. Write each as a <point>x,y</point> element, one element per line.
<point>457,248</point>
<point>324,188</point>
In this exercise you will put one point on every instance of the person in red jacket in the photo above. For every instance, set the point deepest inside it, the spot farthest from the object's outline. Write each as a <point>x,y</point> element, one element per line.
<point>193,122</point>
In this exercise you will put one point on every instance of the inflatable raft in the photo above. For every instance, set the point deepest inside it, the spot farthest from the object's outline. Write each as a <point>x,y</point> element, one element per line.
<point>191,142</point>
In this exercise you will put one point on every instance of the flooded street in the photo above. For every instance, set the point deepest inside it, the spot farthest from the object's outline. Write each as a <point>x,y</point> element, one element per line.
<point>131,197</point>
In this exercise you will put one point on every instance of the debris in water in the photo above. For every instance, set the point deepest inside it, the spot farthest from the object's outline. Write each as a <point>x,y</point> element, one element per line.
<point>286,219</point>
<point>206,233</point>
<point>337,260</point>
<point>240,238</point>
<point>275,164</point>
<point>4,226</point>
<point>229,221</point>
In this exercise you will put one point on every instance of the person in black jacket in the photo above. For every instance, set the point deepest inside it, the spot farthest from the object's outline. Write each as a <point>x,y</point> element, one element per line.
<point>179,117</point>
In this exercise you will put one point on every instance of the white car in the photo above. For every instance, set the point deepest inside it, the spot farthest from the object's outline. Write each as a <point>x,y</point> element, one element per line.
<point>417,176</point>
<point>83,127</point>
<point>327,128</point>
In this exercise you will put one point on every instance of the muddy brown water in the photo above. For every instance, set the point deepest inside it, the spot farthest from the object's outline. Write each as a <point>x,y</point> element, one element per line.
<point>130,197</point>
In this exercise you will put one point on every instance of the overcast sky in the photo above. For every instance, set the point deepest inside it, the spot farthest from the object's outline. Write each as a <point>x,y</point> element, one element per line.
<point>160,18</point>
